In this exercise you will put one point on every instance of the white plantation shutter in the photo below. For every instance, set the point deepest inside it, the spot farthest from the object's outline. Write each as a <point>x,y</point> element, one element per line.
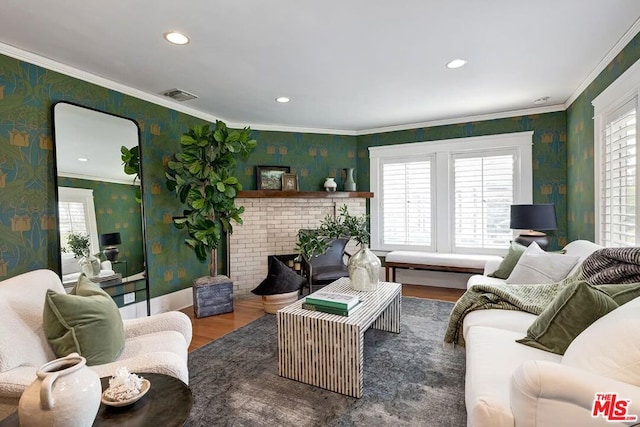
<point>76,213</point>
<point>618,178</point>
<point>483,190</point>
<point>406,200</point>
<point>72,219</point>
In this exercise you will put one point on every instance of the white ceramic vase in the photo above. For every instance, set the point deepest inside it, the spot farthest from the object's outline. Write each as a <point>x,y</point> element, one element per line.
<point>330,184</point>
<point>364,270</point>
<point>65,393</point>
<point>89,265</point>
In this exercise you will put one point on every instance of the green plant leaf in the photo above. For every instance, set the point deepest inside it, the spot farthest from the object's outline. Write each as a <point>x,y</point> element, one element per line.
<point>220,186</point>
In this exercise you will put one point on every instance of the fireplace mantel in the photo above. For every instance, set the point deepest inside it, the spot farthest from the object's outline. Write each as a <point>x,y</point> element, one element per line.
<point>264,194</point>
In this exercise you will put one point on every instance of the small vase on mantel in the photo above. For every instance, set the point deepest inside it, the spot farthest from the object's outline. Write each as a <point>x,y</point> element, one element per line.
<point>330,185</point>
<point>349,183</point>
<point>364,270</point>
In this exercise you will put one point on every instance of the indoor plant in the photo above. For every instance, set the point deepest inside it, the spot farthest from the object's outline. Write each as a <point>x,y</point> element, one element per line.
<point>79,244</point>
<point>364,266</point>
<point>202,177</point>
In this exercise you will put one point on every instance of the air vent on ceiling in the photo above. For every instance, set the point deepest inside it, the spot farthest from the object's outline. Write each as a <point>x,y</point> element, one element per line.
<point>179,95</point>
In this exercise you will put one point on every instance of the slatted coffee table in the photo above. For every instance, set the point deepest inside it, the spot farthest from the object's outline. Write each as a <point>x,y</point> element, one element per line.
<point>326,350</point>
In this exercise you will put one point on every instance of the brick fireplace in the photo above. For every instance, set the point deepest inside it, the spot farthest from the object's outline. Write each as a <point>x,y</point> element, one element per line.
<point>271,224</point>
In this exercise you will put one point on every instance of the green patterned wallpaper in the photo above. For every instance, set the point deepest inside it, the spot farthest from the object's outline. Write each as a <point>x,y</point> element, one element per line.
<point>581,213</point>
<point>549,154</point>
<point>116,211</point>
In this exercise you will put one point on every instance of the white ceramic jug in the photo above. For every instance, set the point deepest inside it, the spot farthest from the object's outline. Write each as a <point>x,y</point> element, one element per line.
<point>66,393</point>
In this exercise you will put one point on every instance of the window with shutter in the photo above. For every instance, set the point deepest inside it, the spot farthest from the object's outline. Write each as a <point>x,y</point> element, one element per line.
<point>483,192</point>
<point>406,199</point>
<point>450,195</point>
<point>618,177</point>
<point>76,213</point>
<point>615,157</point>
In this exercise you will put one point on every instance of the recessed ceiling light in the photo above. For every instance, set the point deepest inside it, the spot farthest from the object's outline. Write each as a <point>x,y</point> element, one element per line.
<point>282,99</point>
<point>542,100</point>
<point>83,159</point>
<point>176,37</point>
<point>456,63</point>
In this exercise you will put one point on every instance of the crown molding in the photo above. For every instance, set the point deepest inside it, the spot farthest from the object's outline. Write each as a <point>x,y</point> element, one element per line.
<point>615,50</point>
<point>466,119</point>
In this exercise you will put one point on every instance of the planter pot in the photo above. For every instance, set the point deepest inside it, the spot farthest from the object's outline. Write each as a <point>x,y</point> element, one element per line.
<point>273,303</point>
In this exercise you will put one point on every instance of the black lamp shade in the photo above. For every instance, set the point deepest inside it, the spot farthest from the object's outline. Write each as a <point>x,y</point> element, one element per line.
<point>108,242</point>
<point>533,217</point>
<point>110,239</point>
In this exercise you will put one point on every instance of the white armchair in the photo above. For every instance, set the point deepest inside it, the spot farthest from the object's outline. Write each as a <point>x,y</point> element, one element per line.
<point>157,344</point>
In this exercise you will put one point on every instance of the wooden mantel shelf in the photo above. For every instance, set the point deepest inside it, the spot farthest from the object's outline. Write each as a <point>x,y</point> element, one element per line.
<point>255,194</point>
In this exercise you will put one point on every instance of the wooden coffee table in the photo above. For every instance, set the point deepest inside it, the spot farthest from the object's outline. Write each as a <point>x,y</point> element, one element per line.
<point>326,350</point>
<point>167,403</point>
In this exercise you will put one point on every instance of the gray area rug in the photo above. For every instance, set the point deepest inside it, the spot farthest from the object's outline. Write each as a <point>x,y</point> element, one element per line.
<point>410,379</point>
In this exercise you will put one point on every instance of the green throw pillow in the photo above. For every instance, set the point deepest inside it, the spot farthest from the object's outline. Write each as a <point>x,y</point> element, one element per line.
<point>621,293</point>
<point>509,261</point>
<point>575,307</point>
<point>86,321</point>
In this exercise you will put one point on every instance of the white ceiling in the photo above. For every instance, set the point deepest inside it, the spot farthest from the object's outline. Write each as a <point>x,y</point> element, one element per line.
<point>348,66</point>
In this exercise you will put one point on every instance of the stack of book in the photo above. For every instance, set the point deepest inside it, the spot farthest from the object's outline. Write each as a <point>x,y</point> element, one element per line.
<point>332,302</point>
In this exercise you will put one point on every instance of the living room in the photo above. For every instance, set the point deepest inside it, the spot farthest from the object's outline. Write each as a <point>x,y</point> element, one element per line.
<point>30,83</point>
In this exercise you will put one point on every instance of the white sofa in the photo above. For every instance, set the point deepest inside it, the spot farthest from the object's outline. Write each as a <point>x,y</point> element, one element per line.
<point>511,384</point>
<point>156,344</point>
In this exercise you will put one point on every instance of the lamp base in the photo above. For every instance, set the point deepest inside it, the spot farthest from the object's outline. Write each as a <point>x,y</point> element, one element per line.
<point>111,253</point>
<point>540,238</point>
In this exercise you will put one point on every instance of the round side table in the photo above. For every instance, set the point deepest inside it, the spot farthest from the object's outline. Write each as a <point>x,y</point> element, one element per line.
<point>167,403</point>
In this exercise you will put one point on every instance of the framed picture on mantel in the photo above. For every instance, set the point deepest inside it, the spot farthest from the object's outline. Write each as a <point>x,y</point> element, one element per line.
<point>270,177</point>
<point>290,182</point>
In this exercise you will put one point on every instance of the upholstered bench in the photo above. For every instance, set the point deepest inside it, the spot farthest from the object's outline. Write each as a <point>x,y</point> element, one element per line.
<point>456,263</point>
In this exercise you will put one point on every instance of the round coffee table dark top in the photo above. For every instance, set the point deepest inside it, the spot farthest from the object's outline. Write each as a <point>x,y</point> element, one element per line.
<point>167,403</point>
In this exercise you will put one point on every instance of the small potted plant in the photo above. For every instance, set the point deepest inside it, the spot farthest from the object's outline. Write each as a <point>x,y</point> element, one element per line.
<point>364,266</point>
<point>79,244</point>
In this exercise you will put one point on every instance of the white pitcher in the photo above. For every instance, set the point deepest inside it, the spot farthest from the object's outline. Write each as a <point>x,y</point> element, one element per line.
<point>66,393</point>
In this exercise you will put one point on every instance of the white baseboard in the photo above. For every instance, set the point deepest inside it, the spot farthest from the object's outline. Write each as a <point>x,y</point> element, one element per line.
<point>169,302</point>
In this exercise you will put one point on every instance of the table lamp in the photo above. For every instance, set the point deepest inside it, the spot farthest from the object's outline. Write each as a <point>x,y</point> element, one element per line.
<point>533,218</point>
<point>108,241</point>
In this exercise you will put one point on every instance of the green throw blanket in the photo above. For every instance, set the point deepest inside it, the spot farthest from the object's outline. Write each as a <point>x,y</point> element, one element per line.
<point>602,269</point>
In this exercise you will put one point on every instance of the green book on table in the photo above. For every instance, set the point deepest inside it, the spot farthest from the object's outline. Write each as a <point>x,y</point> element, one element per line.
<point>331,310</point>
<point>333,299</point>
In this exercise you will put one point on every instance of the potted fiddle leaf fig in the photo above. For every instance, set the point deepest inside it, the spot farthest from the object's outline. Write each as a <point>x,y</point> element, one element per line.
<point>202,177</point>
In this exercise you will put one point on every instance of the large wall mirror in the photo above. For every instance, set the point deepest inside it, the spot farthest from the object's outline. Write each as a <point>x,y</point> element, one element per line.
<point>96,197</point>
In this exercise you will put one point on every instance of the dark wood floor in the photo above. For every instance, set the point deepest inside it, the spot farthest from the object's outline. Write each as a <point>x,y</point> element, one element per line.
<point>249,308</point>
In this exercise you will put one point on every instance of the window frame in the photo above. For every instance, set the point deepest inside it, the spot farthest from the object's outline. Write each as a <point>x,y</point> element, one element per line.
<point>84,196</point>
<point>442,240</point>
<point>623,90</point>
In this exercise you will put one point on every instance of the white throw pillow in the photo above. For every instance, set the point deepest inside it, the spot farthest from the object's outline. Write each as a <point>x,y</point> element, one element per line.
<point>610,346</point>
<point>536,266</point>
